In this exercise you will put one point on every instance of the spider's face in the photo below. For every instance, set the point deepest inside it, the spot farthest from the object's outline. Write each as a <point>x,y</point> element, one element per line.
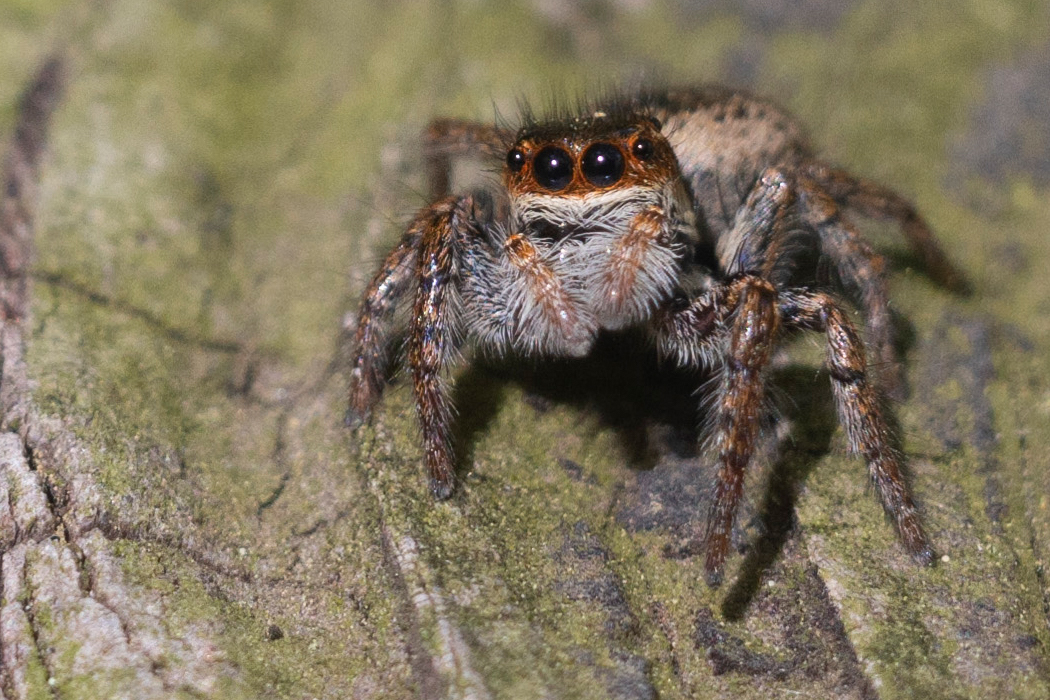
<point>565,178</point>
<point>599,222</point>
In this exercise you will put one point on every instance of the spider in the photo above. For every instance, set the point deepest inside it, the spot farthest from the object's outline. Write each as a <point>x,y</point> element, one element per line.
<point>689,214</point>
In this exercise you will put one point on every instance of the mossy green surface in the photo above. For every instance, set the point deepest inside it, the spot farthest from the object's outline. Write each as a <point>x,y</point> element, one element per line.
<point>223,177</point>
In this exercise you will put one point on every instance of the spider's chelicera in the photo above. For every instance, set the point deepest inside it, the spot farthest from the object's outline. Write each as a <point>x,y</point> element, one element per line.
<point>687,214</point>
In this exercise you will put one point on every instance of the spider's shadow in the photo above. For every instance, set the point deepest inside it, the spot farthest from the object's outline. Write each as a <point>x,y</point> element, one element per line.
<point>619,381</point>
<point>623,385</point>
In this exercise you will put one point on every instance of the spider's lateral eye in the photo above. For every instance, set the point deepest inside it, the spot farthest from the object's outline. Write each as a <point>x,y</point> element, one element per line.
<point>642,149</point>
<point>516,160</point>
<point>553,168</point>
<point>602,164</point>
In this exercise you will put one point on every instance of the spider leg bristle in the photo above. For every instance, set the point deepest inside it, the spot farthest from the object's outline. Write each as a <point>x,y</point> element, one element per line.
<point>861,413</point>
<point>432,338</point>
<point>371,359</point>
<point>862,272</point>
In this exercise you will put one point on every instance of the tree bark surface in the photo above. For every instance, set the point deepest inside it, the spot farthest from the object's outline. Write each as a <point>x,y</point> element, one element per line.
<point>194,195</point>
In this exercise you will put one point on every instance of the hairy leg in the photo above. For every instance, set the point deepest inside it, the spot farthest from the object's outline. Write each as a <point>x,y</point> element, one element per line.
<point>760,237</point>
<point>736,322</point>
<point>878,202</point>
<point>861,412</point>
<point>445,139</point>
<point>372,339</point>
<point>431,342</point>
<point>442,140</point>
<point>862,271</point>
<point>740,407</point>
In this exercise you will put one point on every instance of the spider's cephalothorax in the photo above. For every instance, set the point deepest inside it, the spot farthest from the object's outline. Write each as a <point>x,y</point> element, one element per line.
<point>685,214</point>
<point>599,224</point>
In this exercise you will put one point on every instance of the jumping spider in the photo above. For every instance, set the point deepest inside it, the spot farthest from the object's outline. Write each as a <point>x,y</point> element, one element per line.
<point>689,214</point>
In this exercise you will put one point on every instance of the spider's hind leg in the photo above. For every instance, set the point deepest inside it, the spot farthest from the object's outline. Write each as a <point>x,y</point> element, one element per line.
<point>877,202</point>
<point>445,139</point>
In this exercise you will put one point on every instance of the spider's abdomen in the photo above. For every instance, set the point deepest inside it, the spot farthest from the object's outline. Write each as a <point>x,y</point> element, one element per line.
<point>723,142</point>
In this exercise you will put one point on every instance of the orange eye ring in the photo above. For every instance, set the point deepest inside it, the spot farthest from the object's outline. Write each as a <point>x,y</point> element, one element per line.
<point>642,149</point>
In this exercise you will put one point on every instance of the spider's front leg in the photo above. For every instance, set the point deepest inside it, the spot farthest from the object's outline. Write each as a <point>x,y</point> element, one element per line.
<point>744,308</point>
<point>443,140</point>
<point>431,342</point>
<point>695,332</point>
<point>374,321</point>
<point>740,407</point>
<point>426,255</point>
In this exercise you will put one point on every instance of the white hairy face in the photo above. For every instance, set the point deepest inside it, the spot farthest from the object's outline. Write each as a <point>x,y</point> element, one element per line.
<point>568,266</point>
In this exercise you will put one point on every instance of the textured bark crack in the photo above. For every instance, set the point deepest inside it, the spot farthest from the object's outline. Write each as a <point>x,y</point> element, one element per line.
<point>450,657</point>
<point>19,644</point>
<point>442,664</point>
<point>64,599</point>
<point>178,335</point>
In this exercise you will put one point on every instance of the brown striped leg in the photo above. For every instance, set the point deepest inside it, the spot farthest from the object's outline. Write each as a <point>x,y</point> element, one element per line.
<point>372,340</point>
<point>861,412</point>
<point>862,271</point>
<point>747,302</point>
<point>878,202</point>
<point>431,342</point>
<point>445,139</point>
<point>740,408</point>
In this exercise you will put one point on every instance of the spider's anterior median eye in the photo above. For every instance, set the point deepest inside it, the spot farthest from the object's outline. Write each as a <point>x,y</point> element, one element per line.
<point>642,149</point>
<point>602,164</point>
<point>516,160</point>
<point>553,168</point>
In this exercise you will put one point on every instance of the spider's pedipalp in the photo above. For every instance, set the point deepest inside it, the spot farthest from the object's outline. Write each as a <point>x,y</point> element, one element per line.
<point>641,264</point>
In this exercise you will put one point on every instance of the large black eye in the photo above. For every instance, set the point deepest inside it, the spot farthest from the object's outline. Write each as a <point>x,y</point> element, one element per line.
<point>602,164</point>
<point>553,168</point>
<point>515,160</point>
